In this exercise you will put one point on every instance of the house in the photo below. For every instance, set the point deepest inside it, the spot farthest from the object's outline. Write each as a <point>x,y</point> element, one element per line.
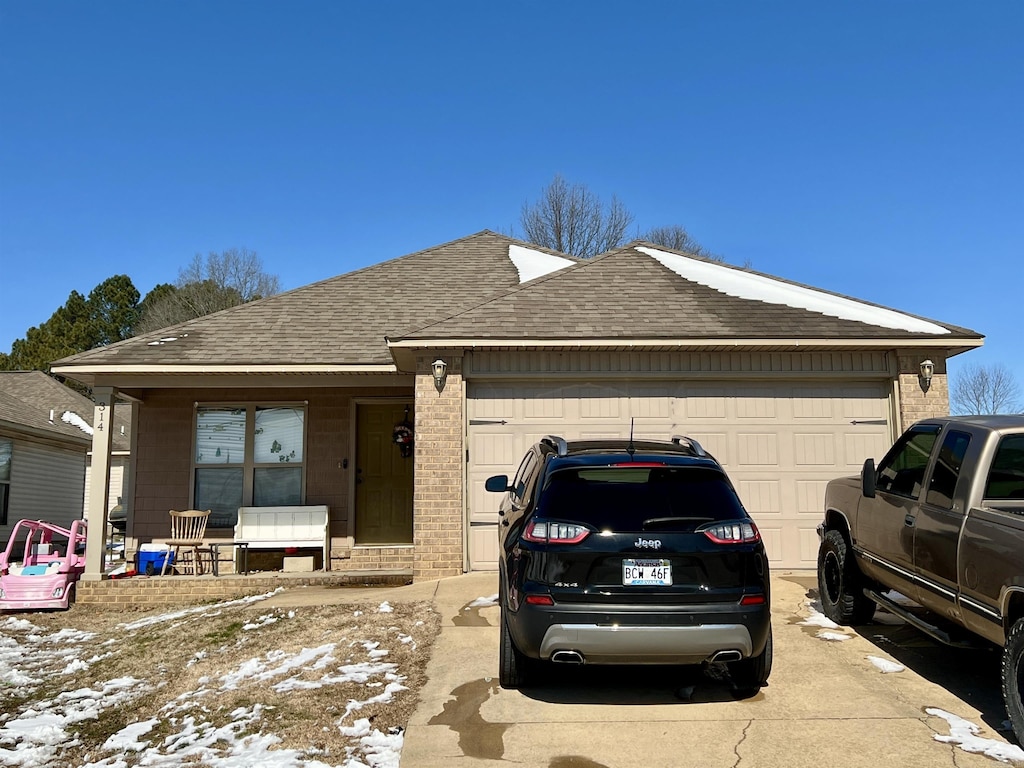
<point>474,349</point>
<point>45,437</point>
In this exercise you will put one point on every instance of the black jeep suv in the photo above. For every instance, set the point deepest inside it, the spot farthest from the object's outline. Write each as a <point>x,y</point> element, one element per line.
<point>622,552</point>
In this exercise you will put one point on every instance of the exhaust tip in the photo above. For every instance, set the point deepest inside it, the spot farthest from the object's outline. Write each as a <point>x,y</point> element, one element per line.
<point>567,657</point>
<point>724,656</point>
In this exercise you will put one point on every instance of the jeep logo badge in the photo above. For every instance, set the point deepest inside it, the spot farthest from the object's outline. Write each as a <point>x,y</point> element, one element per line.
<point>643,543</point>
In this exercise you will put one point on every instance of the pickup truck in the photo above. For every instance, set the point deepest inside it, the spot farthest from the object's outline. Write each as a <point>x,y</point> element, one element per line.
<point>940,520</point>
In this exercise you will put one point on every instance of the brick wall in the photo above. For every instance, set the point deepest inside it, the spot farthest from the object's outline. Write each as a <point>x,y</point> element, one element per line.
<point>143,593</point>
<point>440,453</point>
<point>915,401</point>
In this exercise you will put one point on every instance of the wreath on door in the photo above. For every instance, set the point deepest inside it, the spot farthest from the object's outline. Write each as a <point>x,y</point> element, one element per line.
<point>402,436</point>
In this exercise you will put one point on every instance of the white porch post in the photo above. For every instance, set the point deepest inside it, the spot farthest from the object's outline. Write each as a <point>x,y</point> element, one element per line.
<point>99,482</point>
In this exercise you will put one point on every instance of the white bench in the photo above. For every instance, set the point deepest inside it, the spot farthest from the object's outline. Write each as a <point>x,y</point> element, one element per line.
<point>280,527</point>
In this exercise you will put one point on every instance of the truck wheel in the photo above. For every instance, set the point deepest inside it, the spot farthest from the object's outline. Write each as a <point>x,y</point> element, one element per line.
<point>514,668</point>
<point>749,675</point>
<point>840,584</point>
<point>1013,676</point>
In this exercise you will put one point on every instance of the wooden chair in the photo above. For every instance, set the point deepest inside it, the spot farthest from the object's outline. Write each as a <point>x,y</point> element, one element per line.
<point>187,530</point>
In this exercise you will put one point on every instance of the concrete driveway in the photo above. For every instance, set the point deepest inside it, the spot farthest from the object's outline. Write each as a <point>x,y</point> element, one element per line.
<point>828,703</point>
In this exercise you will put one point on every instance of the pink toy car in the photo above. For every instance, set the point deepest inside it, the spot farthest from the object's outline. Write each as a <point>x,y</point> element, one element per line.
<point>46,574</point>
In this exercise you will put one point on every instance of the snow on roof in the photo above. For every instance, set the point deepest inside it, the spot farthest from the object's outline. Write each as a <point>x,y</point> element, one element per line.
<point>533,264</point>
<point>72,418</point>
<point>747,285</point>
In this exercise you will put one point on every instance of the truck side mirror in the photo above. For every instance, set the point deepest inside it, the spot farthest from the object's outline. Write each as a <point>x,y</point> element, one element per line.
<point>497,484</point>
<point>868,478</point>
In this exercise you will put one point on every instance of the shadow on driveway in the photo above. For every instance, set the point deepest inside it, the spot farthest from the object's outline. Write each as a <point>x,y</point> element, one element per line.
<point>970,674</point>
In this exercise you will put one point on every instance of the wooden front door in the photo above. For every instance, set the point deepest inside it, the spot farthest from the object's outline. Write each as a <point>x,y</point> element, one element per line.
<point>384,478</point>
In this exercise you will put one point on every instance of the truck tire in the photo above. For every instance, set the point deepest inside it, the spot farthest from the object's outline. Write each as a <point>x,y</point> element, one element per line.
<point>1013,676</point>
<point>514,668</point>
<point>840,583</point>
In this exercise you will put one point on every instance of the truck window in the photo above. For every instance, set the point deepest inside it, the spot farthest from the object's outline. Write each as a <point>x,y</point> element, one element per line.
<point>902,470</point>
<point>947,469</point>
<point>1006,477</point>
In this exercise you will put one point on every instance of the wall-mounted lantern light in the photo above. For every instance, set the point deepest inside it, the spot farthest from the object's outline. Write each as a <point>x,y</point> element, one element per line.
<point>440,368</point>
<point>927,371</point>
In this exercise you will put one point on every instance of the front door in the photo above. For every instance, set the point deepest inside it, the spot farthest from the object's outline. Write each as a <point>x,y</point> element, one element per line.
<point>384,477</point>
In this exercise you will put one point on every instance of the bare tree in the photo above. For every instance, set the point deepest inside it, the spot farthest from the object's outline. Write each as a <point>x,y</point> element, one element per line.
<point>572,219</point>
<point>207,285</point>
<point>980,389</point>
<point>678,239</point>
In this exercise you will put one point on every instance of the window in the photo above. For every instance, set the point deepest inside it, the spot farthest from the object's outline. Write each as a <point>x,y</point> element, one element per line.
<point>1006,478</point>
<point>248,456</point>
<point>6,449</point>
<point>902,470</point>
<point>947,469</point>
<point>677,499</point>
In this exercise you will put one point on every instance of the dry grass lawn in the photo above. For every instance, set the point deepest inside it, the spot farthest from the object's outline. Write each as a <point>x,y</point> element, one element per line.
<point>303,675</point>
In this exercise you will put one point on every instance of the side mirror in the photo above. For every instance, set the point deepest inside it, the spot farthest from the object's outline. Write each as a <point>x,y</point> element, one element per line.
<point>868,478</point>
<point>497,484</point>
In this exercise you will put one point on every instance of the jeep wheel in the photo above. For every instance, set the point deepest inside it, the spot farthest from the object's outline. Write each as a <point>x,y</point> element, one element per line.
<point>840,584</point>
<point>514,668</point>
<point>1013,677</point>
<point>749,675</point>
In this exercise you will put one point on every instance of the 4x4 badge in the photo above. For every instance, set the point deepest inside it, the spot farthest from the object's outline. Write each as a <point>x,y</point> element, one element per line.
<point>647,543</point>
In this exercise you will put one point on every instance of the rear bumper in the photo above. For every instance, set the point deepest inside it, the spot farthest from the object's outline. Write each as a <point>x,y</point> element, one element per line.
<point>626,635</point>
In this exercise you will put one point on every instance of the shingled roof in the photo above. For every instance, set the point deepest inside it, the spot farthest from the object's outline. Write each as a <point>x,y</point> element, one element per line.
<point>644,291</point>
<point>35,404</point>
<point>343,320</point>
<point>488,288</point>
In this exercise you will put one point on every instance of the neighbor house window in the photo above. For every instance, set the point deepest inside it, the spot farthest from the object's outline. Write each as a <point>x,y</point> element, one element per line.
<point>248,456</point>
<point>6,449</point>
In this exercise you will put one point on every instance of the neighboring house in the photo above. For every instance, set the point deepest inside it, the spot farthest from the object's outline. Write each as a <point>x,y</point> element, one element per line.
<point>306,397</point>
<point>44,437</point>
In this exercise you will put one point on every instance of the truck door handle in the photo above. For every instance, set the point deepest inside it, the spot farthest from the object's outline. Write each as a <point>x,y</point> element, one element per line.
<point>909,521</point>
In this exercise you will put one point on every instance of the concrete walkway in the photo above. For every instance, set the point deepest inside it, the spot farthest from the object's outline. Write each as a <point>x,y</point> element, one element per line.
<point>827,703</point>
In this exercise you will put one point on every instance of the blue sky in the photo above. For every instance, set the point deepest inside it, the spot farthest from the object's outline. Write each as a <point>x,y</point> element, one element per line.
<point>869,148</point>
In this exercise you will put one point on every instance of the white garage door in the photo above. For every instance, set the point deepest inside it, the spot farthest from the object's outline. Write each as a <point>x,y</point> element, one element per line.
<point>780,442</point>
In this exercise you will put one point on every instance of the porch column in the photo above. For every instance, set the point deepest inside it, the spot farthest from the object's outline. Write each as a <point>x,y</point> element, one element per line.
<point>99,485</point>
<point>438,470</point>
<point>131,540</point>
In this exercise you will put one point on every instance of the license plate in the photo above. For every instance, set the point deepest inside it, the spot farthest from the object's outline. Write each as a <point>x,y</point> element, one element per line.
<point>646,573</point>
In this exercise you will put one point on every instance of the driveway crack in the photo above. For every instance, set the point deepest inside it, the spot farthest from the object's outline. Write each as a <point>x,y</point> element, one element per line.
<point>743,738</point>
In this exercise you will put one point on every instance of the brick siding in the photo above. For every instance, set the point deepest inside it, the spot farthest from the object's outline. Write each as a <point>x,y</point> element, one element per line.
<point>439,470</point>
<point>917,403</point>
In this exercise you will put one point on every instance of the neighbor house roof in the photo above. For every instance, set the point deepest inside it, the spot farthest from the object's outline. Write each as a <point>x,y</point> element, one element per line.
<point>491,290</point>
<point>33,403</point>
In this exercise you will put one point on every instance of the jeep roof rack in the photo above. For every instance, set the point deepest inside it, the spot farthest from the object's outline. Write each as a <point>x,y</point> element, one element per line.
<point>689,442</point>
<point>556,443</point>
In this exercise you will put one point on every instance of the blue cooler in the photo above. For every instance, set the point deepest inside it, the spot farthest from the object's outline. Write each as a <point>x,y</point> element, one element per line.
<point>152,561</point>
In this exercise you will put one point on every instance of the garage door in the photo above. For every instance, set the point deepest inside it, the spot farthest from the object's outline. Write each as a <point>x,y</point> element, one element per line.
<point>781,442</point>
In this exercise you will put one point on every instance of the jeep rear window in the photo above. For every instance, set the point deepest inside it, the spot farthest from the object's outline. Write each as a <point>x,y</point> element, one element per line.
<point>639,499</point>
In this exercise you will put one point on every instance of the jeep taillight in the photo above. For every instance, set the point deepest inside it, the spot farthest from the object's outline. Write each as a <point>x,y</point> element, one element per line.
<point>738,532</point>
<point>547,532</point>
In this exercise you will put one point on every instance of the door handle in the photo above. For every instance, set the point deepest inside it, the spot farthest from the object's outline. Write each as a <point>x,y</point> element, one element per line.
<point>909,521</point>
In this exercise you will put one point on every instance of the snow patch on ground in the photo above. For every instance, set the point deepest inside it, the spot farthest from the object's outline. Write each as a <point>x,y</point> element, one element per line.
<point>483,602</point>
<point>965,734</point>
<point>885,665</point>
<point>36,736</point>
